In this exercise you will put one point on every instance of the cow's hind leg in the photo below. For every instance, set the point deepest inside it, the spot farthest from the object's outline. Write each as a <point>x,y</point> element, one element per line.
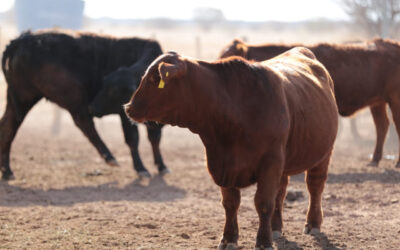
<point>277,222</point>
<point>381,121</point>
<point>231,202</point>
<point>395,107</point>
<point>85,123</point>
<point>268,183</point>
<point>131,135</point>
<point>316,178</point>
<point>154,135</point>
<point>15,112</point>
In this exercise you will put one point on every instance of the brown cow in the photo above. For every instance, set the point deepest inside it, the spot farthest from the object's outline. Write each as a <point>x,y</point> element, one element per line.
<point>365,75</point>
<point>259,122</point>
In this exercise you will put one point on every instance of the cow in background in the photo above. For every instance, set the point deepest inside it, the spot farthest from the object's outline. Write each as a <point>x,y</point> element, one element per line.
<point>68,68</point>
<point>117,88</point>
<point>365,75</point>
<point>259,122</point>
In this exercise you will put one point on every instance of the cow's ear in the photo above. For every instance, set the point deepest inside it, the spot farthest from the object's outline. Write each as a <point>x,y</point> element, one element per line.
<point>241,47</point>
<point>170,71</point>
<point>237,41</point>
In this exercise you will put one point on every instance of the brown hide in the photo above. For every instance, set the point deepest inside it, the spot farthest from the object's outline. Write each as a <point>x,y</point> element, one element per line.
<point>365,75</point>
<point>360,71</point>
<point>259,122</point>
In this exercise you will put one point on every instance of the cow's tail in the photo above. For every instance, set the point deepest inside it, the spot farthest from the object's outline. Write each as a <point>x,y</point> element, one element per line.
<point>6,58</point>
<point>9,53</point>
<point>6,64</point>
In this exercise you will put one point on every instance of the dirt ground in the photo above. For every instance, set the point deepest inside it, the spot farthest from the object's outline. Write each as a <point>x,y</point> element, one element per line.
<point>65,197</point>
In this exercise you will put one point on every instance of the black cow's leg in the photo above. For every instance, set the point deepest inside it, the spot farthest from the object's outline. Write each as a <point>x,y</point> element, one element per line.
<point>316,178</point>
<point>381,121</point>
<point>231,202</point>
<point>85,123</point>
<point>277,222</point>
<point>14,114</point>
<point>131,135</point>
<point>154,135</point>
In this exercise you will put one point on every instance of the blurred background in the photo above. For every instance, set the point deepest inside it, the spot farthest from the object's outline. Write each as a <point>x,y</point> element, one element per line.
<point>202,28</point>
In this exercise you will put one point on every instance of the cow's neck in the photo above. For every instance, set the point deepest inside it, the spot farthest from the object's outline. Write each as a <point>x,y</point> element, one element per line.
<point>209,107</point>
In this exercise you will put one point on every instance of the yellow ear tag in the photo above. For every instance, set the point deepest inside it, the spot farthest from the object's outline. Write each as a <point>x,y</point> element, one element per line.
<point>161,84</point>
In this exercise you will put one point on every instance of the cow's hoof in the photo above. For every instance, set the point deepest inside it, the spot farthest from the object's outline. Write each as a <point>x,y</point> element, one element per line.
<point>373,164</point>
<point>143,174</point>
<point>276,235</point>
<point>165,171</point>
<point>112,162</point>
<point>263,248</point>
<point>227,246</point>
<point>8,176</point>
<point>312,231</point>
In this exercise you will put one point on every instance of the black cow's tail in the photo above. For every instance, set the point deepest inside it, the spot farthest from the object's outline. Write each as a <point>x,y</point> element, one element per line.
<point>9,53</point>
<point>6,58</point>
<point>6,65</point>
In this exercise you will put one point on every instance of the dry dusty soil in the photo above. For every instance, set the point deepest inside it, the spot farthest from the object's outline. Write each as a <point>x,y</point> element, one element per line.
<point>65,197</point>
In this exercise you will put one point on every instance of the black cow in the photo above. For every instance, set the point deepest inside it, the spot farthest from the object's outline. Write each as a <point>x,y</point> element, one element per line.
<point>67,69</point>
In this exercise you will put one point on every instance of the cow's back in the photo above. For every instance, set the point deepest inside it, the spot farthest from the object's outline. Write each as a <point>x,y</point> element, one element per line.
<point>45,59</point>
<point>312,109</point>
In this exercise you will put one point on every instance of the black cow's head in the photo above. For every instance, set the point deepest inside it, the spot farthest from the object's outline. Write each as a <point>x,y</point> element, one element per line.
<point>117,88</point>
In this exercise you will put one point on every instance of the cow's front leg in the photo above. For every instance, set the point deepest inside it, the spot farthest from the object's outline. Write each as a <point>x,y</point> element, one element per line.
<point>131,135</point>
<point>268,182</point>
<point>85,123</point>
<point>231,202</point>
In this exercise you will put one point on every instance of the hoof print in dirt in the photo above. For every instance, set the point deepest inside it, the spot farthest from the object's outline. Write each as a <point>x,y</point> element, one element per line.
<point>227,246</point>
<point>96,172</point>
<point>185,236</point>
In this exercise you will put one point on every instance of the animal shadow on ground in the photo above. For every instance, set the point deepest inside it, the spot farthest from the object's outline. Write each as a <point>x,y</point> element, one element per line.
<point>284,244</point>
<point>321,240</point>
<point>387,176</point>
<point>157,190</point>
